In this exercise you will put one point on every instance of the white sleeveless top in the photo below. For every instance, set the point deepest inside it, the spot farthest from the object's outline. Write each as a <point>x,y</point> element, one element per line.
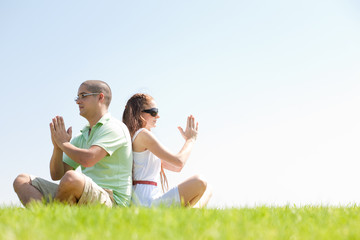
<point>146,166</point>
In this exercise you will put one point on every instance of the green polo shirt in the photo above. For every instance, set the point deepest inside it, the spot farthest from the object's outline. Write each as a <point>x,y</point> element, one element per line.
<point>115,170</point>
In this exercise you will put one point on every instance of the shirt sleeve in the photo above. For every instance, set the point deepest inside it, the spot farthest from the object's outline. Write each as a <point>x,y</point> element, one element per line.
<point>110,139</point>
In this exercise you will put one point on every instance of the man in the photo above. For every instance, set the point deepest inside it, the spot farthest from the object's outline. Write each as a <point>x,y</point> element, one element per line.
<point>103,150</point>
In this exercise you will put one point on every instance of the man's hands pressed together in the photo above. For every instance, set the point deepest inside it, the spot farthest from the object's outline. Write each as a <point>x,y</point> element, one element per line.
<point>59,134</point>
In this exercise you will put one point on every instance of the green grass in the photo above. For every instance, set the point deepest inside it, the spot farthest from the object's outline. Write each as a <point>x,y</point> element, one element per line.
<point>58,221</point>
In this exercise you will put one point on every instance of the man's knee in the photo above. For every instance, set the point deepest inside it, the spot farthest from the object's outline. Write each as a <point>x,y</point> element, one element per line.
<point>20,180</point>
<point>72,179</point>
<point>71,187</point>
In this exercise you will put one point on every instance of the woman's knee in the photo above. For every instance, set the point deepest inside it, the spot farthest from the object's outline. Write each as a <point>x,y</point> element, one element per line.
<point>200,182</point>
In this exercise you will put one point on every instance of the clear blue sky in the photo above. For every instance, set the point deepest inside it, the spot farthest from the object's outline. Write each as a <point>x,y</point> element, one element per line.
<point>274,85</point>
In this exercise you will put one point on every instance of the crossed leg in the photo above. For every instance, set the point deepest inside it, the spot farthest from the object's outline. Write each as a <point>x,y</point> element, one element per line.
<point>71,187</point>
<point>192,190</point>
<point>25,191</point>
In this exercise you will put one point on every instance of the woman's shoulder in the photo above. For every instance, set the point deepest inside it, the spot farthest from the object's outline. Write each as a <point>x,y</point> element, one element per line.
<point>140,132</point>
<point>144,133</point>
<point>144,136</point>
<point>142,140</point>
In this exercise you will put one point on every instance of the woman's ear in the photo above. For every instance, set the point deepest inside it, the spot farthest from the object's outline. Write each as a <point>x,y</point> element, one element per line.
<point>143,121</point>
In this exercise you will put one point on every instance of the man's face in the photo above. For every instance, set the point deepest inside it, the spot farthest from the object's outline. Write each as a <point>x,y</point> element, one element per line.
<point>87,101</point>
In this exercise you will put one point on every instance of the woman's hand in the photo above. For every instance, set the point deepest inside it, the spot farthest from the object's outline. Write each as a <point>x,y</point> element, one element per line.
<point>191,130</point>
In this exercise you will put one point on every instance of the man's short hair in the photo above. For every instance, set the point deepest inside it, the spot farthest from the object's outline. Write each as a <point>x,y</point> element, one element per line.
<point>98,86</point>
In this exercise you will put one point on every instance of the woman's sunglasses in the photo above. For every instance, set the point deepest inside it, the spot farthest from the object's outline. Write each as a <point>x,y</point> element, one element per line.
<point>152,111</point>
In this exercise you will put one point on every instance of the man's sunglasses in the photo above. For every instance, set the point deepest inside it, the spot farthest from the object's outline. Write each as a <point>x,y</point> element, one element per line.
<point>84,95</point>
<point>152,111</point>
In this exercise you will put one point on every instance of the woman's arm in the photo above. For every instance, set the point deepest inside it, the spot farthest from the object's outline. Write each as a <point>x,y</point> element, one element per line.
<point>170,167</point>
<point>170,161</point>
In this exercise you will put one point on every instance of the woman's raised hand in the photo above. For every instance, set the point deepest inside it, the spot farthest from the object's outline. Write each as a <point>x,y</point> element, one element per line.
<point>191,130</point>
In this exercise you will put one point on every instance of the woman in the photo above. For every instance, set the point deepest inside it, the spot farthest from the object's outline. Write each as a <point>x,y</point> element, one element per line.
<point>151,158</point>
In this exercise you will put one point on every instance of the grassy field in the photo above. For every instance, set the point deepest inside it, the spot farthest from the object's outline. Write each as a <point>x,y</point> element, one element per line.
<point>96,222</point>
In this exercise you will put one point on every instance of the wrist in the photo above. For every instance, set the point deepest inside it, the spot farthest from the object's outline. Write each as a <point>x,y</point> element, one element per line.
<point>57,148</point>
<point>62,145</point>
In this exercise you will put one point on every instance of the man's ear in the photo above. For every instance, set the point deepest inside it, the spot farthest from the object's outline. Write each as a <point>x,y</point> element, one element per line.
<point>101,97</point>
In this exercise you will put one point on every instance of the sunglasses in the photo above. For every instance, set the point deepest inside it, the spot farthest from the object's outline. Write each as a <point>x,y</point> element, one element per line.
<point>84,95</point>
<point>152,111</point>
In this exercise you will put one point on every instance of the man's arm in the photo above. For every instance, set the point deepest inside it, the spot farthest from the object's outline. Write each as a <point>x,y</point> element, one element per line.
<point>57,166</point>
<point>85,157</point>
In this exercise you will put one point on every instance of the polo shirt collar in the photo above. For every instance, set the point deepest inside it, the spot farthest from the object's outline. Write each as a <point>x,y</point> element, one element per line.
<point>102,121</point>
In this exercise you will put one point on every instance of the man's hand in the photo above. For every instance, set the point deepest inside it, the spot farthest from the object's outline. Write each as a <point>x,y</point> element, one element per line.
<point>59,135</point>
<point>56,147</point>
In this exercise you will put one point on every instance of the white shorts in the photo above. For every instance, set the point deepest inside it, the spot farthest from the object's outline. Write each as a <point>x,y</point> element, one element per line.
<point>152,196</point>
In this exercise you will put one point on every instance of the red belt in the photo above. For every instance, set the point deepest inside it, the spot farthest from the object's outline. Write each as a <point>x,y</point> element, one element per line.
<point>145,182</point>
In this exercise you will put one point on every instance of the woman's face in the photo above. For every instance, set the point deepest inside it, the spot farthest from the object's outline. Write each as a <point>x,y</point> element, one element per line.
<point>150,120</point>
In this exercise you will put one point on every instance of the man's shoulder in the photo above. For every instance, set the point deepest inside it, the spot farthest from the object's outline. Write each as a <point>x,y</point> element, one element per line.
<point>114,125</point>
